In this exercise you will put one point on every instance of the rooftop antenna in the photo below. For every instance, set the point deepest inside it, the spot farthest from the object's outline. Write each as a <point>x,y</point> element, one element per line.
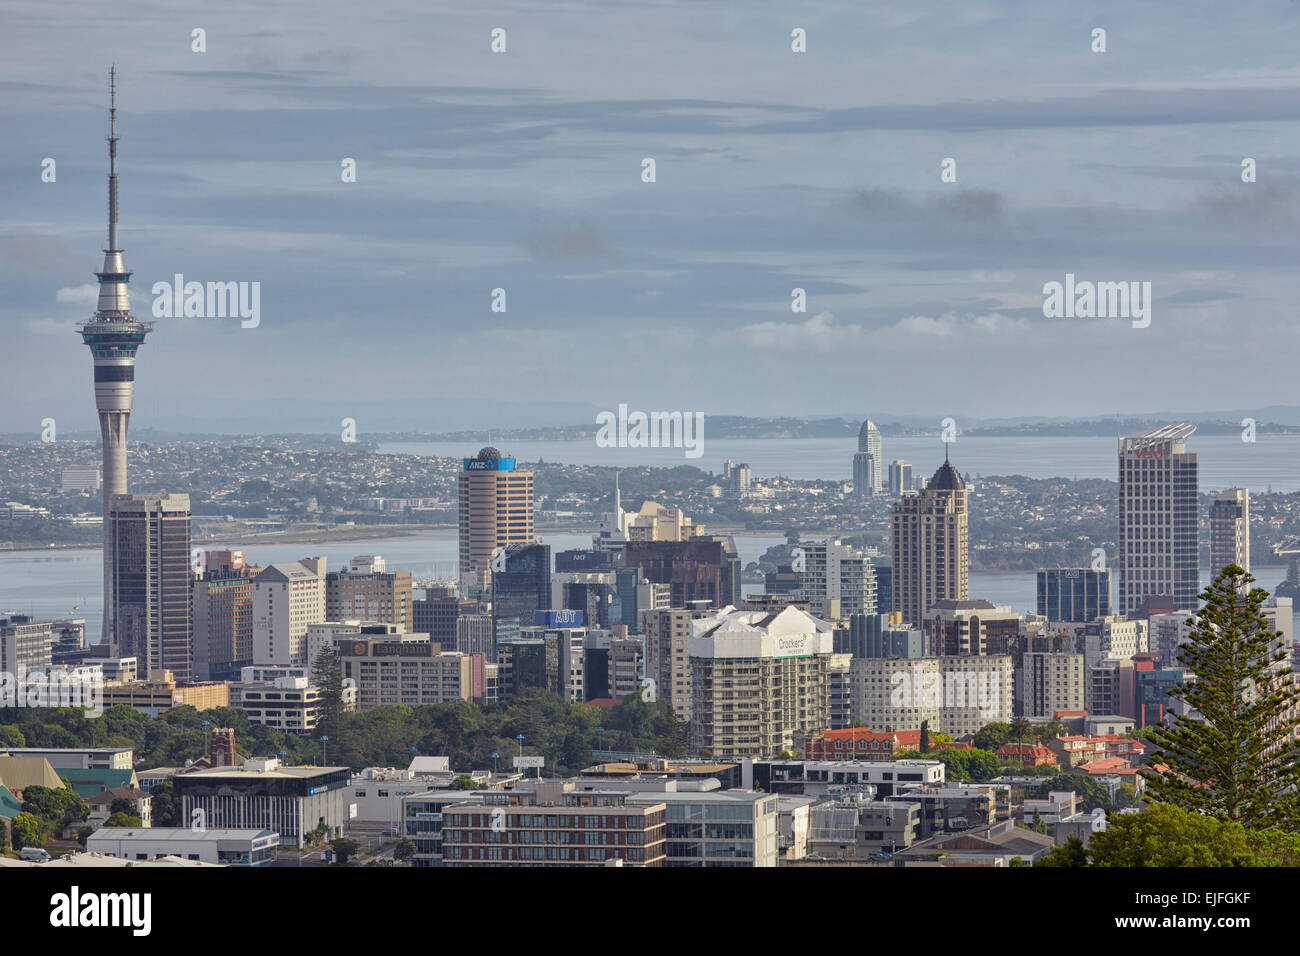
<point>112,159</point>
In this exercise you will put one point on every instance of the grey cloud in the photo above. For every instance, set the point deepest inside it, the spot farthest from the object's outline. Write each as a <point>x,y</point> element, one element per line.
<point>581,240</point>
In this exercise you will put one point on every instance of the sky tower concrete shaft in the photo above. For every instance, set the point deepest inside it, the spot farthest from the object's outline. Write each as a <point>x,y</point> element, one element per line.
<point>113,335</point>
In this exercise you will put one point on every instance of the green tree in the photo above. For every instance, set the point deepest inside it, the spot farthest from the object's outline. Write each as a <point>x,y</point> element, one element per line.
<point>165,808</point>
<point>1070,853</point>
<point>83,834</point>
<point>1234,760</point>
<point>404,850</point>
<point>1020,726</point>
<point>28,830</point>
<point>1126,797</point>
<point>982,765</point>
<point>466,782</point>
<point>344,849</point>
<point>122,820</point>
<point>1053,728</point>
<point>57,807</point>
<point>327,674</point>
<point>1167,835</point>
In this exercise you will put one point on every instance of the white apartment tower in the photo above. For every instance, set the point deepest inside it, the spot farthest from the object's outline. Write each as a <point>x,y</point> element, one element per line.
<point>837,580</point>
<point>1158,518</point>
<point>287,599</point>
<point>869,462</point>
<point>758,678</point>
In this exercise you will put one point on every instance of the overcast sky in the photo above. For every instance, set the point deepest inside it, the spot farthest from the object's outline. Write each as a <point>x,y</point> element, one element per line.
<point>775,170</point>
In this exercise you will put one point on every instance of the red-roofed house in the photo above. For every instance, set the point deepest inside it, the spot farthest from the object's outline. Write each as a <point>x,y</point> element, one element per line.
<point>858,743</point>
<point>1029,755</point>
<point>1076,749</point>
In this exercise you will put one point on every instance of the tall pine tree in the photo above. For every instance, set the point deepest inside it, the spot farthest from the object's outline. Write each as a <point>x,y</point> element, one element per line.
<point>327,674</point>
<point>1234,758</point>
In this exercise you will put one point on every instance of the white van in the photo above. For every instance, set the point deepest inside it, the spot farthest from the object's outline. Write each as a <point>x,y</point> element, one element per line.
<point>35,853</point>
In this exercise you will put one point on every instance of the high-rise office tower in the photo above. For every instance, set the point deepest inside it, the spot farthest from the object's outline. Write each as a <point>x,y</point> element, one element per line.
<point>667,652</point>
<point>1157,518</point>
<point>437,615</point>
<point>25,645</point>
<point>971,627</point>
<point>366,590</point>
<point>900,478</point>
<point>1230,530</point>
<point>1049,682</point>
<point>521,588</point>
<point>698,568</point>
<point>930,545</point>
<point>113,335</point>
<point>222,592</point>
<point>496,509</point>
<point>149,591</point>
<point>1073,594</point>
<point>868,463</point>
<point>837,580</point>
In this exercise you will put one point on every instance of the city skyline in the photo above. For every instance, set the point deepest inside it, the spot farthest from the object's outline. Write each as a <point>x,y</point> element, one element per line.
<point>366,634</point>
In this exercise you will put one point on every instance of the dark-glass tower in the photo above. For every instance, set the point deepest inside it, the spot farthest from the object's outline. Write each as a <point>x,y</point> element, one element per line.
<point>114,335</point>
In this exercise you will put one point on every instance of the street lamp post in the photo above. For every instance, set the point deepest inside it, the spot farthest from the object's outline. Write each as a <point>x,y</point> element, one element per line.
<point>324,751</point>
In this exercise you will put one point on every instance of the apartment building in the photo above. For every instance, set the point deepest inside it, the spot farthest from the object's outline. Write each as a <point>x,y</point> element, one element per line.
<point>367,590</point>
<point>287,599</point>
<point>667,652</point>
<point>757,679</point>
<point>554,825</point>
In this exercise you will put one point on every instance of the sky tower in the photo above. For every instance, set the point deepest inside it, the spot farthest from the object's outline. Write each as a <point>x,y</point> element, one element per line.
<point>113,335</point>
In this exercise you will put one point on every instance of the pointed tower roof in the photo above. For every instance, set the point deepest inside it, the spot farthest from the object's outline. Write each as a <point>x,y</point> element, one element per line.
<point>866,433</point>
<point>946,478</point>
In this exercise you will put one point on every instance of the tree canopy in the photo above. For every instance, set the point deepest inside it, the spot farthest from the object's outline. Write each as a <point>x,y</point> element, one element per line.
<point>1230,755</point>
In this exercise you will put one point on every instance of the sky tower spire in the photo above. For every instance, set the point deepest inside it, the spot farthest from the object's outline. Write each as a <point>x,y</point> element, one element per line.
<point>112,160</point>
<point>113,335</point>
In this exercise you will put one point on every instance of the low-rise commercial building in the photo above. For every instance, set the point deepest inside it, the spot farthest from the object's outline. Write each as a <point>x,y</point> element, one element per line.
<point>82,758</point>
<point>262,794</point>
<point>818,777</point>
<point>858,829</point>
<point>226,847</point>
<point>553,826</point>
<point>733,828</point>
